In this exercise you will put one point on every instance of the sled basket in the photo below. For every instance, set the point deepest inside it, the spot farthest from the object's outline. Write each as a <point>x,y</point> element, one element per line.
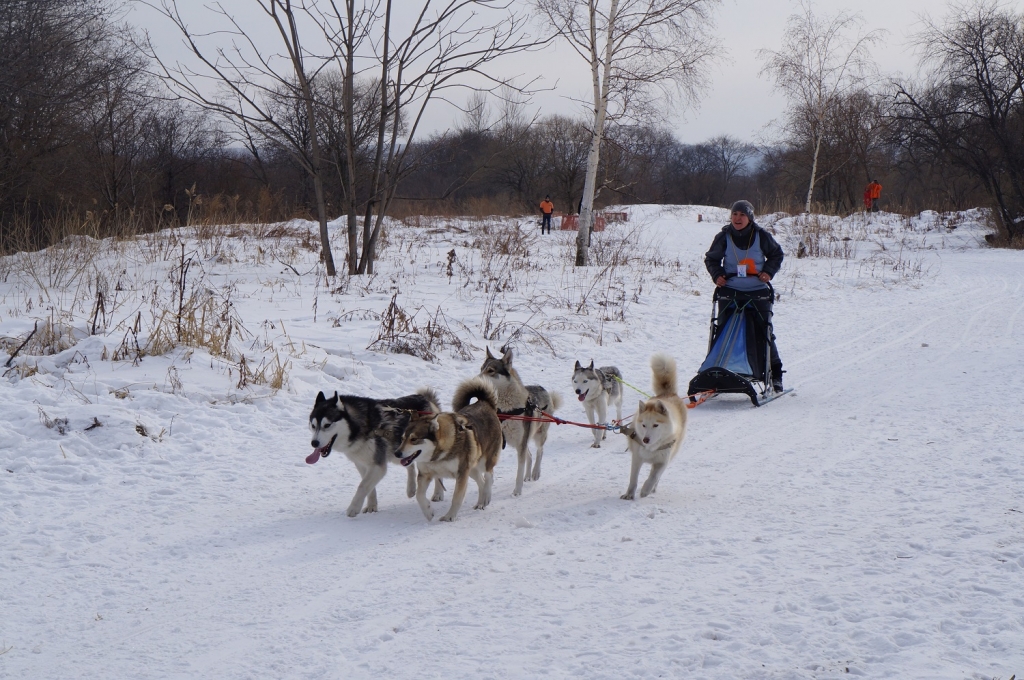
<point>736,363</point>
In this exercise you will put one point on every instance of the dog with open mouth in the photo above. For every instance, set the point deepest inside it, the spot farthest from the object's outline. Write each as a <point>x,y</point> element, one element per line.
<point>456,445</point>
<point>369,432</point>
<point>598,388</point>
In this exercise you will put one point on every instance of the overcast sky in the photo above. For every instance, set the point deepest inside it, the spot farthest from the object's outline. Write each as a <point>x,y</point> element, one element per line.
<point>739,102</point>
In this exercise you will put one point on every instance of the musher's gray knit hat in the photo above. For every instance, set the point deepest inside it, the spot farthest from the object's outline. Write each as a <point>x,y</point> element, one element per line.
<point>744,207</point>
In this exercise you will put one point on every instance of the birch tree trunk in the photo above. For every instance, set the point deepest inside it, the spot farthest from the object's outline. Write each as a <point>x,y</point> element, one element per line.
<point>349,114</point>
<point>370,232</point>
<point>814,172</point>
<point>601,83</point>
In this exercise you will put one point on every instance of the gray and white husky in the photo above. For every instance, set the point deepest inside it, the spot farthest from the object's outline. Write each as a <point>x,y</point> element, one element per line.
<point>515,398</point>
<point>598,388</point>
<point>369,432</point>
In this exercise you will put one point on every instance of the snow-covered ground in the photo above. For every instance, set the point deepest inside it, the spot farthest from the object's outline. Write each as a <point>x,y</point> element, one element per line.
<point>157,519</point>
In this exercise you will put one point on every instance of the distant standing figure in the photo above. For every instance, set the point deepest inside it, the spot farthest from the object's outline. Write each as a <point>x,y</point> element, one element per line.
<point>546,208</point>
<point>874,192</point>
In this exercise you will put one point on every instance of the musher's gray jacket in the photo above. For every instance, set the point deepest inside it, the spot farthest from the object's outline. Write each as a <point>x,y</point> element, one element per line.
<point>773,254</point>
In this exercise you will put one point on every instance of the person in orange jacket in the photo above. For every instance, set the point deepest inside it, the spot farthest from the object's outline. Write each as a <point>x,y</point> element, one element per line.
<point>874,191</point>
<point>546,209</point>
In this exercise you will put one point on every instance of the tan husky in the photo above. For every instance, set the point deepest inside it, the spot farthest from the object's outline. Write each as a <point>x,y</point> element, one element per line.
<point>658,430</point>
<point>456,445</point>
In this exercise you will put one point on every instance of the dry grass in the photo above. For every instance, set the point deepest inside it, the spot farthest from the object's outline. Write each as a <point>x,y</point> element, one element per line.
<point>821,236</point>
<point>400,333</point>
<point>272,372</point>
<point>48,337</point>
<point>156,298</point>
<point>59,425</point>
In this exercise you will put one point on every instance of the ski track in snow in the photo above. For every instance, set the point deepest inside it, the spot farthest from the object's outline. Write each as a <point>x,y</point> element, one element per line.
<point>871,523</point>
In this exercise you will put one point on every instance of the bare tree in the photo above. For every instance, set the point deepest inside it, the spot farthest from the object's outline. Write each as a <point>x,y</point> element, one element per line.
<point>117,124</point>
<point>448,42</point>
<point>476,117</point>
<point>435,47</point>
<point>730,157</point>
<point>565,145</point>
<point>52,69</point>
<point>179,138</point>
<point>820,62</point>
<point>636,49</point>
<point>250,77</point>
<point>970,111</point>
<point>519,165</point>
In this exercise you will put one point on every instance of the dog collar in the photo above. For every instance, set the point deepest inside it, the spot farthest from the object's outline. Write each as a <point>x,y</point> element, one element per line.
<point>631,433</point>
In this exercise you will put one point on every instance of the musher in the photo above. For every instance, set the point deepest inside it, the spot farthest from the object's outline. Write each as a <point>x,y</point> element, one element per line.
<point>742,259</point>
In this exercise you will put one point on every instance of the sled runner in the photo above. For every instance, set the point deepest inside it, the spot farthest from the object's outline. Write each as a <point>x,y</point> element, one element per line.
<point>737,361</point>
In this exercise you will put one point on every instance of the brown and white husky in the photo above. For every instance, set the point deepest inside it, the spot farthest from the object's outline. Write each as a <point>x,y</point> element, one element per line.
<point>460,444</point>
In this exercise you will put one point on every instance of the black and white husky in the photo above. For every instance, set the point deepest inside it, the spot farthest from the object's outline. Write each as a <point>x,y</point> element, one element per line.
<point>369,432</point>
<point>598,388</point>
<point>515,398</point>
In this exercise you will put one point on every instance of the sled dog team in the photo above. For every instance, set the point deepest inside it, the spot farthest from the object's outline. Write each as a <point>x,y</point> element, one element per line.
<point>465,443</point>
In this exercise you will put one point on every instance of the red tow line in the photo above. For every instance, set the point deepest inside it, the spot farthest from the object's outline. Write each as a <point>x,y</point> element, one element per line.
<point>548,418</point>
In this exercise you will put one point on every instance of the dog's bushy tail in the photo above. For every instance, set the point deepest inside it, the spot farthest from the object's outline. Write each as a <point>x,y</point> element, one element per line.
<point>663,375</point>
<point>430,395</point>
<point>475,388</point>
<point>556,401</point>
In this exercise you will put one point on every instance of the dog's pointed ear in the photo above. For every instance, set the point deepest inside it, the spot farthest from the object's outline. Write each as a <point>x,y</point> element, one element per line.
<point>591,366</point>
<point>642,406</point>
<point>660,408</point>
<point>506,358</point>
<point>489,355</point>
<point>433,424</point>
<point>320,398</point>
<point>339,403</point>
<point>578,365</point>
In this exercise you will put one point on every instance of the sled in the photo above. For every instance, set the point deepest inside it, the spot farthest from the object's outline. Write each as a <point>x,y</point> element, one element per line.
<point>736,363</point>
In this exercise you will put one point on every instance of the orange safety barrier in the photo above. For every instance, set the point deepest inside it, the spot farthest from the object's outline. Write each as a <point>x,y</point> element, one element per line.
<point>572,222</point>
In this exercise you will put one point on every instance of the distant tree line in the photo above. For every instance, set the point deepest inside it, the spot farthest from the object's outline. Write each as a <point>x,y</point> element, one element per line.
<point>90,137</point>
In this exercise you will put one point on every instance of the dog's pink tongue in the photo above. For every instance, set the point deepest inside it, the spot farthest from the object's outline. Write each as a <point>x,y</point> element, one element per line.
<point>583,396</point>
<point>313,457</point>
